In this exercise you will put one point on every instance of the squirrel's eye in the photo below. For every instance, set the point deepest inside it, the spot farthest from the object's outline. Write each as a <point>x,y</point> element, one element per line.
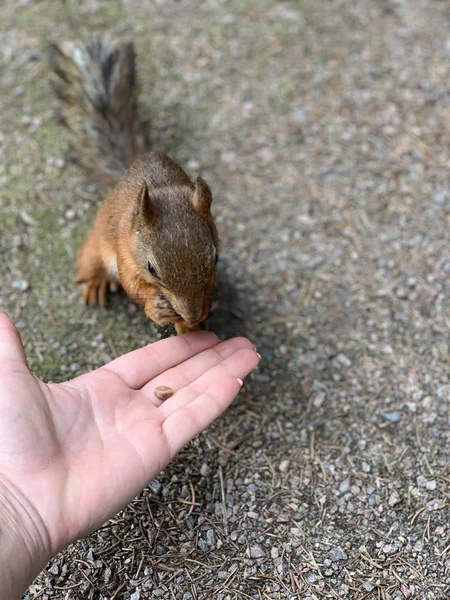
<point>216,259</point>
<point>151,270</point>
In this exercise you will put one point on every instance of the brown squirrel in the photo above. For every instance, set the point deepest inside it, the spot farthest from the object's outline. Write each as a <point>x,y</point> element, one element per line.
<point>154,234</point>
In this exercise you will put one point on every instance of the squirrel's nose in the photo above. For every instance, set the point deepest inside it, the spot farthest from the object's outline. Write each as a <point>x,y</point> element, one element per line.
<point>193,318</point>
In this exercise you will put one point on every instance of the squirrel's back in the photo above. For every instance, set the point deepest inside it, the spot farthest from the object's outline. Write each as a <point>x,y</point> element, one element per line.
<point>96,83</point>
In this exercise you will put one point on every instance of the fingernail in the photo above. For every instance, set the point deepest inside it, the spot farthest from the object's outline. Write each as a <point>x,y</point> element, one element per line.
<point>259,355</point>
<point>240,382</point>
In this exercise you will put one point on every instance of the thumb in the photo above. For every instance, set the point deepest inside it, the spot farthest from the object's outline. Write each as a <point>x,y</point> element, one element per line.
<point>11,347</point>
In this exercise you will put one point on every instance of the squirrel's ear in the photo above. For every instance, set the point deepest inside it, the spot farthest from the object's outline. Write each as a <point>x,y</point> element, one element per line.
<point>202,198</point>
<point>145,208</point>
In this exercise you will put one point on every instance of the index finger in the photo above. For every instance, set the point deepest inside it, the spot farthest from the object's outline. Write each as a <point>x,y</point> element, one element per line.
<point>138,367</point>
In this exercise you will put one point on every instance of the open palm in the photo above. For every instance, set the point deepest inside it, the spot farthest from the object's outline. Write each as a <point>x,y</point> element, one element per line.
<point>73,454</point>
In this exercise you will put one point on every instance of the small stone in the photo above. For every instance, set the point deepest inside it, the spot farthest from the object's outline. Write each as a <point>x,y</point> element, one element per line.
<point>257,551</point>
<point>20,285</point>
<point>390,548</point>
<point>135,595</point>
<point>421,481</point>
<point>70,214</point>
<point>54,569</point>
<point>368,586</point>
<point>187,596</point>
<point>435,504</point>
<point>431,485</point>
<point>211,537</point>
<point>162,392</point>
<point>193,165</point>
<point>338,554</point>
<point>155,487</point>
<point>203,545</point>
<point>312,577</point>
<point>284,465</point>
<point>344,486</point>
<point>205,470</point>
<point>393,416</point>
<point>160,550</point>
<point>319,399</point>
<point>439,197</point>
<point>341,360</point>
<point>394,499</point>
<point>107,575</point>
<point>274,552</point>
<point>299,115</point>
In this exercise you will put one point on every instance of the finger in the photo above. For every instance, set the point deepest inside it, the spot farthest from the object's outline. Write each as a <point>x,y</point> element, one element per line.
<point>237,365</point>
<point>11,347</point>
<point>187,372</point>
<point>138,367</point>
<point>187,422</point>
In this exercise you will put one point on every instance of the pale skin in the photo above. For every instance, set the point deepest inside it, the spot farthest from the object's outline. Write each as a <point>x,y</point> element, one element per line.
<point>73,454</point>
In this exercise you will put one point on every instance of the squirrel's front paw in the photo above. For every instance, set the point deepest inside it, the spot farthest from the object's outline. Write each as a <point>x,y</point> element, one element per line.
<point>181,328</point>
<point>95,292</point>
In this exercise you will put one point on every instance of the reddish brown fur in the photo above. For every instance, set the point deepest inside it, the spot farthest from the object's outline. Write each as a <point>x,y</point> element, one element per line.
<point>154,214</point>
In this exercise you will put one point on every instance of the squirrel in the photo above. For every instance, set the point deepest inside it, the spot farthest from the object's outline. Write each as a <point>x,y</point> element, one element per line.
<point>154,234</point>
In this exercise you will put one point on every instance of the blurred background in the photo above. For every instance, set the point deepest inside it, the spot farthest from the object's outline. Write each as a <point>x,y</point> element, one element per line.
<point>323,129</point>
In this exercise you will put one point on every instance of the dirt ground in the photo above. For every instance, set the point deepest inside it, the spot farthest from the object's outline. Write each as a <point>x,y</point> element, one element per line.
<point>323,127</point>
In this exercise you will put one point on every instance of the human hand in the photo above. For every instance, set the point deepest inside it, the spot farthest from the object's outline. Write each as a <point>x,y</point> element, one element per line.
<point>73,454</point>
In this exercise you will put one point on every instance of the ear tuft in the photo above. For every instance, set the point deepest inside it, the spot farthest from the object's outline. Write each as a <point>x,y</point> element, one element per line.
<point>146,210</point>
<point>202,198</point>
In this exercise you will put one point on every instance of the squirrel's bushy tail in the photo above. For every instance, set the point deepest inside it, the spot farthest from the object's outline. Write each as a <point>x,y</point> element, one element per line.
<point>95,80</point>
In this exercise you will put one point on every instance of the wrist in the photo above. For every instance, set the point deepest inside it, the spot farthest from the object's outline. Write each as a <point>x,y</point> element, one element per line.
<point>24,544</point>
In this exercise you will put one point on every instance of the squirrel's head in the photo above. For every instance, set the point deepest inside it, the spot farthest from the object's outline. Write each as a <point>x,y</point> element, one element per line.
<point>176,250</point>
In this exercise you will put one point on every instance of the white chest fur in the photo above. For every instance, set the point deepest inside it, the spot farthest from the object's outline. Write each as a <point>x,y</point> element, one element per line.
<point>113,271</point>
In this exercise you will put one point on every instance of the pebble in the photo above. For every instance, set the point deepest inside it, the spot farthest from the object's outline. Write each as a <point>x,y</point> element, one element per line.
<point>299,115</point>
<point>421,481</point>
<point>435,504</point>
<point>155,487</point>
<point>312,577</point>
<point>344,486</point>
<point>338,554</point>
<point>205,470</point>
<point>257,551</point>
<point>390,548</point>
<point>284,465</point>
<point>162,392</point>
<point>211,537</point>
<point>107,575</point>
<point>135,595</point>
<point>394,499</point>
<point>54,569</point>
<point>341,360</point>
<point>393,416</point>
<point>20,285</point>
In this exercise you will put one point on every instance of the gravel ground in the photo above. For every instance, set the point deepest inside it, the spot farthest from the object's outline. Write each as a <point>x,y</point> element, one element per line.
<point>323,128</point>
